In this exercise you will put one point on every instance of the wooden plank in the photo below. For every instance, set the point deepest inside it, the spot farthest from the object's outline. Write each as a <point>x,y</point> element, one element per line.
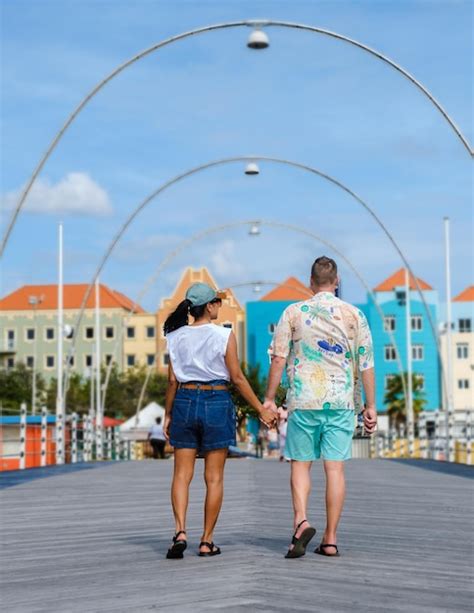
<point>95,540</point>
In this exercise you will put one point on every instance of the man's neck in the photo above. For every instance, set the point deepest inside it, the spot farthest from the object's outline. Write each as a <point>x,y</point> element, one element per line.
<point>325,290</point>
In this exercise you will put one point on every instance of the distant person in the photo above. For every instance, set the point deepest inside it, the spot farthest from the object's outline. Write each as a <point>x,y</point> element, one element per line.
<point>259,440</point>
<point>326,346</point>
<point>157,439</point>
<point>272,442</point>
<point>200,415</point>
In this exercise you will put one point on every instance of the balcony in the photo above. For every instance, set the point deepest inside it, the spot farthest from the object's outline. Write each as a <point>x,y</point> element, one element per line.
<point>7,346</point>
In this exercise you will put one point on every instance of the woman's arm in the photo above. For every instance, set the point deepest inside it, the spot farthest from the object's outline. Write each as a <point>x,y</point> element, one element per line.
<point>239,380</point>
<point>169,399</point>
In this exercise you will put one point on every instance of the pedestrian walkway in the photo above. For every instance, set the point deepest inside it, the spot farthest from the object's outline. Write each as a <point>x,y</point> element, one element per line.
<point>95,540</point>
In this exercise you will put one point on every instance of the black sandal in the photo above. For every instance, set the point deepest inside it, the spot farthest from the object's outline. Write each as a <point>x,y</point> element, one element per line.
<point>175,552</point>
<point>301,542</point>
<point>321,550</point>
<point>215,551</point>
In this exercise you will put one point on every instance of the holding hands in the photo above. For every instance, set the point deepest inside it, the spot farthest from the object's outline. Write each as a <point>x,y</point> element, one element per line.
<point>269,415</point>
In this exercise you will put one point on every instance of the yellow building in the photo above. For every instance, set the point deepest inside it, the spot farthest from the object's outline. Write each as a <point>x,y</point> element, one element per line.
<point>231,314</point>
<point>139,340</point>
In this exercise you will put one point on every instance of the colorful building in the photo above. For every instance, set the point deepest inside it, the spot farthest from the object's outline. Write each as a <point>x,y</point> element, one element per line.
<point>391,298</point>
<point>231,314</point>
<point>462,349</point>
<point>29,328</point>
<point>263,315</point>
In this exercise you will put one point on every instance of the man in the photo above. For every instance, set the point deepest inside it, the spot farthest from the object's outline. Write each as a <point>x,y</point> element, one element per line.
<point>326,346</point>
<point>157,439</point>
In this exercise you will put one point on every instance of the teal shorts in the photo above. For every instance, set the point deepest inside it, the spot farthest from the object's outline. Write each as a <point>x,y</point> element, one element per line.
<point>323,433</point>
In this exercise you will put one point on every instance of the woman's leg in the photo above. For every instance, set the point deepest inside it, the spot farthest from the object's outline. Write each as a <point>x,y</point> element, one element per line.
<point>184,460</point>
<point>214,477</point>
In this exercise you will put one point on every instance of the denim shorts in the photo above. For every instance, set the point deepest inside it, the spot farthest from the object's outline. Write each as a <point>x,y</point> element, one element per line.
<point>323,433</point>
<point>203,419</point>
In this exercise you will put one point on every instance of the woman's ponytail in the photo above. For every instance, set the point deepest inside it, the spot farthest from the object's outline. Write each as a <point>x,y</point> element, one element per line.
<point>178,318</point>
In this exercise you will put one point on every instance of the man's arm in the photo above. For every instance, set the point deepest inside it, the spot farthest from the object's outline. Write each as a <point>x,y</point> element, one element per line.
<point>370,412</point>
<point>274,378</point>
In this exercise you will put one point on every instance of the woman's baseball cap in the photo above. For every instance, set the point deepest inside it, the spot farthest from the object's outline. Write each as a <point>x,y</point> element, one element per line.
<point>202,293</point>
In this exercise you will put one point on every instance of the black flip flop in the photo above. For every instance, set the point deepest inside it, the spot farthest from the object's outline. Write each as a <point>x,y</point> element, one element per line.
<point>301,542</point>
<point>322,546</point>
<point>175,552</point>
<point>215,551</point>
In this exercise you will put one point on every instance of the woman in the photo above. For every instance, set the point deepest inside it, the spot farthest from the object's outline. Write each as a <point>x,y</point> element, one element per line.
<point>200,416</point>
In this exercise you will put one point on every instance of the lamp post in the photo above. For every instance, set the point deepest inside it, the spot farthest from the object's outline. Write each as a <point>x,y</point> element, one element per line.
<point>257,40</point>
<point>34,301</point>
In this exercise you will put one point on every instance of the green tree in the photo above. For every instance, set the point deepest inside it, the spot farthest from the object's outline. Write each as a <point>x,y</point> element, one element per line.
<point>77,397</point>
<point>16,386</point>
<point>394,399</point>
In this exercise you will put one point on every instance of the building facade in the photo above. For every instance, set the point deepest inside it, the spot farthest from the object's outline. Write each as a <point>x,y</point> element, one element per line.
<point>391,298</point>
<point>262,317</point>
<point>29,328</point>
<point>231,314</point>
<point>462,350</point>
<point>139,340</point>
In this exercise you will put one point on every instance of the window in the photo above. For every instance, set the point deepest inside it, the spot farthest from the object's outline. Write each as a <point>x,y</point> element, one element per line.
<point>30,361</point>
<point>150,359</point>
<point>109,331</point>
<point>388,378</point>
<point>89,333</point>
<point>70,360</point>
<point>417,353</point>
<point>271,328</point>
<point>465,325</point>
<point>166,359</point>
<point>417,322</point>
<point>88,361</point>
<point>49,361</point>
<point>150,331</point>
<point>130,332</point>
<point>463,384</point>
<point>390,353</point>
<point>401,297</point>
<point>108,359</point>
<point>10,363</point>
<point>227,325</point>
<point>389,323</point>
<point>30,334</point>
<point>462,351</point>
<point>10,339</point>
<point>49,334</point>
<point>130,360</point>
<point>421,382</point>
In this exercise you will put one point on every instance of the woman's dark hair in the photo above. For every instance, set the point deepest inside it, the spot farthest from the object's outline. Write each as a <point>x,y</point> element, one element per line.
<point>179,317</point>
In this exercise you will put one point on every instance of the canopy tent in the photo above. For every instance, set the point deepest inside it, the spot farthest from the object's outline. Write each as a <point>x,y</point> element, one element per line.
<point>137,427</point>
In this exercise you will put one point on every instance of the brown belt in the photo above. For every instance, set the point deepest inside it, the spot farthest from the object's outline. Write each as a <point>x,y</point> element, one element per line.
<point>202,386</point>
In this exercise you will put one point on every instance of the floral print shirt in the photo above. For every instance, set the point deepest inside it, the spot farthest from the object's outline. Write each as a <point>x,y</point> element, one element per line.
<point>326,343</point>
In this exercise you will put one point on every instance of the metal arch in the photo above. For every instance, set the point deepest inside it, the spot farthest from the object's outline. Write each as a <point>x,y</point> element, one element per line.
<point>210,28</point>
<point>214,230</point>
<point>254,158</point>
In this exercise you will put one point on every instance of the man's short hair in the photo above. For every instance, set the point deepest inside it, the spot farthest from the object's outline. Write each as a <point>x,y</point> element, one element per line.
<point>158,420</point>
<point>324,271</point>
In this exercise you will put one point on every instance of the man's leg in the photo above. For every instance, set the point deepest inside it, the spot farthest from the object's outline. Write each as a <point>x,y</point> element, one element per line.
<point>300,491</point>
<point>184,460</point>
<point>161,449</point>
<point>335,494</point>
<point>214,477</point>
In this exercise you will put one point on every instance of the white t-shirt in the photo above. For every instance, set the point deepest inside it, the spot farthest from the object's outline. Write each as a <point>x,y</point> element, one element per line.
<point>156,431</point>
<point>197,353</point>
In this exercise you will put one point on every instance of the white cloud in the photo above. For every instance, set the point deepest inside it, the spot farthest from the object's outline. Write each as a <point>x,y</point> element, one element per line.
<point>76,194</point>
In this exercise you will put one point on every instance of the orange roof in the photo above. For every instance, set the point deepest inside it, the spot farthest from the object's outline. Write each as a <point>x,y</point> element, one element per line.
<point>291,289</point>
<point>465,296</point>
<point>398,280</point>
<point>73,296</point>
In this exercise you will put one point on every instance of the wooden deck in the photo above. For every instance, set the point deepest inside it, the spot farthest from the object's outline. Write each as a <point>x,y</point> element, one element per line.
<point>93,538</point>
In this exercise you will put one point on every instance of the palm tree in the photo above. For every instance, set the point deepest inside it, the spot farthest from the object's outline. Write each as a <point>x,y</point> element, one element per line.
<point>394,399</point>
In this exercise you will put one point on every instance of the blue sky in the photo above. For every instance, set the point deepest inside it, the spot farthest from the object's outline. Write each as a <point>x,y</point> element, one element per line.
<point>308,98</point>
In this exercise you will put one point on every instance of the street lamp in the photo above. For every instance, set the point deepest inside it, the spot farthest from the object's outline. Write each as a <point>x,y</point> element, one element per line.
<point>257,288</point>
<point>258,39</point>
<point>34,301</point>
<point>254,229</point>
<point>252,169</point>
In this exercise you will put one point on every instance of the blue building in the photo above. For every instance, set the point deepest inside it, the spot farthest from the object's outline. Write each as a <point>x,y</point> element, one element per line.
<point>262,317</point>
<point>391,297</point>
